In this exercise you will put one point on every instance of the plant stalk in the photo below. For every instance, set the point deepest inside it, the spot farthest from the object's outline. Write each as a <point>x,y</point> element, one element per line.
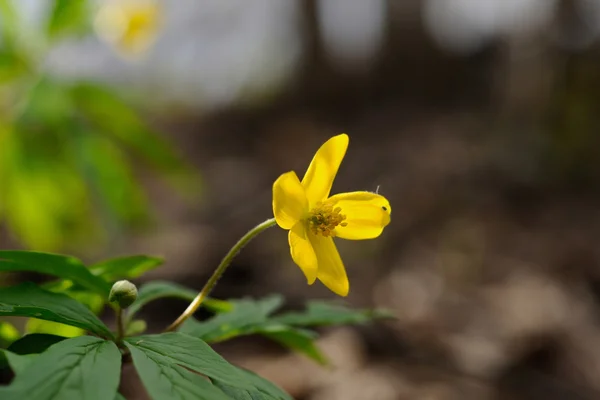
<point>212,281</point>
<point>120,325</point>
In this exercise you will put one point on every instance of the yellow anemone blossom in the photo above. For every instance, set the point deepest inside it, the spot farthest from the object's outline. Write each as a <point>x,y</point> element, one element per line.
<point>313,217</point>
<point>129,25</point>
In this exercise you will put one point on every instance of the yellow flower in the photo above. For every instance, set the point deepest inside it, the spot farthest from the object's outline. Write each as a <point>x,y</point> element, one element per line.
<point>129,25</point>
<point>313,217</point>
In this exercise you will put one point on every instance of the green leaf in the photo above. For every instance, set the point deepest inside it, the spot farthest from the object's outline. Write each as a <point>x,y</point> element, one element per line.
<point>109,174</point>
<point>53,264</point>
<point>324,314</point>
<point>161,289</point>
<point>17,362</point>
<point>300,340</point>
<point>196,355</point>
<point>28,300</point>
<point>245,316</point>
<point>34,343</point>
<point>249,317</point>
<point>91,300</point>
<point>189,352</point>
<point>165,380</point>
<point>263,389</point>
<point>156,290</point>
<point>68,16</point>
<point>125,267</point>
<point>79,368</point>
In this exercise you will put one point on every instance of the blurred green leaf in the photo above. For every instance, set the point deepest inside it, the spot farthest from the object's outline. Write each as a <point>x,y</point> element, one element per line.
<point>112,116</point>
<point>127,267</point>
<point>34,343</point>
<point>79,368</point>
<point>324,314</point>
<point>9,22</point>
<point>162,289</point>
<point>28,300</point>
<point>49,104</point>
<point>8,333</point>
<point>66,174</point>
<point>245,316</point>
<point>44,201</point>
<point>250,317</point>
<point>35,325</point>
<point>112,182</point>
<point>68,17</point>
<point>94,302</point>
<point>136,327</point>
<point>91,300</point>
<point>12,65</point>
<point>300,340</point>
<point>65,267</point>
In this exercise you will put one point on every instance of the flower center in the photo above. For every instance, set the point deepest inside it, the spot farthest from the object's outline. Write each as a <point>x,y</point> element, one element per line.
<point>323,219</point>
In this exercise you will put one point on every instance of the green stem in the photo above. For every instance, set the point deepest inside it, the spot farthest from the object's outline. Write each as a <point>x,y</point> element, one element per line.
<point>212,281</point>
<point>120,326</point>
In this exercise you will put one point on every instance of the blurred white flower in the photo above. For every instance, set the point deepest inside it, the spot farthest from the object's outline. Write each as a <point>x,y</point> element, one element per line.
<point>130,26</point>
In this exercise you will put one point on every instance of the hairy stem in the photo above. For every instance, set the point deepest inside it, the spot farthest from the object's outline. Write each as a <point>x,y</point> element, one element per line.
<point>212,281</point>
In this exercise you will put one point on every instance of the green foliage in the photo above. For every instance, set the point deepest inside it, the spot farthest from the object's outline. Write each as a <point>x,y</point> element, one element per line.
<point>8,333</point>
<point>125,267</point>
<point>67,179</point>
<point>34,343</point>
<point>53,264</point>
<point>173,380</point>
<point>79,368</point>
<point>319,313</point>
<point>68,148</point>
<point>162,289</point>
<point>262,390</point>
<point>29,300</point>
<point>35,325</point>
<point>68,16</point>
<point>165,355</point>
<point>248,317</point>
<point>244,318</point>
<point>18,363</point>
<point>171,365</point>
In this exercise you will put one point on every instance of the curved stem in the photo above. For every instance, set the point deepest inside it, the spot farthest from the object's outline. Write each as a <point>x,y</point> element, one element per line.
<point>212,281</point>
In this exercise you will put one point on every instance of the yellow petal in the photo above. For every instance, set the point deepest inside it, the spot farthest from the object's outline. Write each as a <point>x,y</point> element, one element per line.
<point>289,200</point>
<point>302,252</point>
<point>366,214</point>
<point>331,268</point>
<point>324,166</point>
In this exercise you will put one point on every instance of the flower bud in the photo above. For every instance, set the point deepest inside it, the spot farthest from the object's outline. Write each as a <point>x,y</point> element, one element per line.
<point>123,293</point>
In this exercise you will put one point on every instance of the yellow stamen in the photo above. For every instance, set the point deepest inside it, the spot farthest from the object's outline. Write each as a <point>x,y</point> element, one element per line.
<point>324,219</point>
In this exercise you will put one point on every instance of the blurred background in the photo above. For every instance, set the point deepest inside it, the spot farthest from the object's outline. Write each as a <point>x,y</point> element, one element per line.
<point>158,127</point>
